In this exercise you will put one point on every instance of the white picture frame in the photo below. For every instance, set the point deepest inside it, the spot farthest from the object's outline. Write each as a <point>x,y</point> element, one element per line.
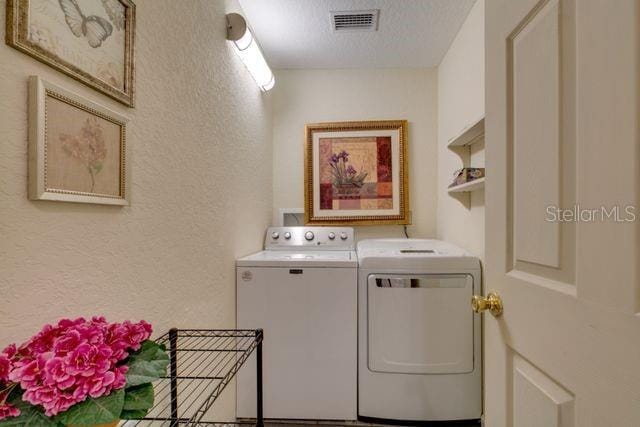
<point>55,169</point>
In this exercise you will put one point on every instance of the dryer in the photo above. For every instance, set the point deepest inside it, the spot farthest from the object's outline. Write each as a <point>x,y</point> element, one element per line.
<point>419,344</point>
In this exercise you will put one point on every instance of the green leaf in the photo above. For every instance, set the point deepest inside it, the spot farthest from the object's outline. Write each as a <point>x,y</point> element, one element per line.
<point>30,416</point>
<point>102,410</point>
<point>133,415</point>
<point>138,397</point>
<point>147,364</point>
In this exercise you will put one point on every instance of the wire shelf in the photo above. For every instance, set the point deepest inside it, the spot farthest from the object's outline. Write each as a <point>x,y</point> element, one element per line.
<point>203,363</point>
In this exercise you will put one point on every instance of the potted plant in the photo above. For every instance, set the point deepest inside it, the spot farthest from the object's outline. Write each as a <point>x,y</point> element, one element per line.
<point>80,373</point>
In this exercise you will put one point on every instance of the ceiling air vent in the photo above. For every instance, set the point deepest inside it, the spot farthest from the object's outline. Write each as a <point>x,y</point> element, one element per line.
<point>355,20</point>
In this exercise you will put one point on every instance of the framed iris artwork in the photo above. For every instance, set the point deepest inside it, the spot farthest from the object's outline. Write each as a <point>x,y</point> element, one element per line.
<point>77,148</point>
<point>356,173</point>
<point>90,40</point>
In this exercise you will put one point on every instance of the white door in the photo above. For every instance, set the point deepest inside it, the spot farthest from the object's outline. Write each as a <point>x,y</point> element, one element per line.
<point>562,127</point>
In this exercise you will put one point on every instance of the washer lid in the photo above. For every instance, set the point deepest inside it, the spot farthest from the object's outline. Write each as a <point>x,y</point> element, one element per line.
<point>304,258</point>
<point>413,254</point>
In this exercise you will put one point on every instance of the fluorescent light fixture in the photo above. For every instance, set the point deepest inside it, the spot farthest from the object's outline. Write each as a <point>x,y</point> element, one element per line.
<point>247,48</point>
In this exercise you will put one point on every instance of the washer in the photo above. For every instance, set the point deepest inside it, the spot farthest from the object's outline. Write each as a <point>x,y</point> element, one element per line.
<point>419,342</point>
<point>302,290</point>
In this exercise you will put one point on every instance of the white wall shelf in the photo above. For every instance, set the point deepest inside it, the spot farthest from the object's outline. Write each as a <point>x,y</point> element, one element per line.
<point>469,135</point>
<point>476,184</point>
<point>461,144</point>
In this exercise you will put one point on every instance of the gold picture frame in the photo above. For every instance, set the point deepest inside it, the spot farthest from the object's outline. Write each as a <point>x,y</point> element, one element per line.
<point>77,148</point>
<point>95,45</point>
<point>356,173</point>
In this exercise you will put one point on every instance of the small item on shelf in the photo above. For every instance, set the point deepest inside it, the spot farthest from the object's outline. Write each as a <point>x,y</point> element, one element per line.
<point>465,175</point>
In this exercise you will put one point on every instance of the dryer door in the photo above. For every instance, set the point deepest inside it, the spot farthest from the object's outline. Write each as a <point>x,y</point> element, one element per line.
<point>420,324</point>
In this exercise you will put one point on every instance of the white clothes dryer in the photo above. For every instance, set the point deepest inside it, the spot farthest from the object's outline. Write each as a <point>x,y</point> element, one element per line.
<point>419,343</point>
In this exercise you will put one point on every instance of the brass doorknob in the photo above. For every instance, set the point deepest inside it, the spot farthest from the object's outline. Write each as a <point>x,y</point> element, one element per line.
<point>491,302</point>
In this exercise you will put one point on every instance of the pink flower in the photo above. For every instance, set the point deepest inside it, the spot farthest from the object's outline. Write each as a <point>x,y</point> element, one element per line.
<point>136,333</point>
<point>42,342</point>
<point>10,351</point>
<point>120,378</point>
<point>29,374</point>
<point>114,338</point>
<point>96,386</point>
<point>40,395</point>
<point>60,403</point>
<point>5,367</point>
<point>88,148</point>
<point>6,362</point>
<point>87,360</point>
<point>67,343</point>
<point>7,410</point>
<point>99,320</point>
<point>55,373</point>
<point>68,323</point>
<point>64,364</point>
<point>91,333</point>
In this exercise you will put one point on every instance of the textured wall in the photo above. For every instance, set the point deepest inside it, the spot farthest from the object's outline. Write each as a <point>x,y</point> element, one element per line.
<point>308,96</point>
<point>200,140</point>
<point>460,102</point>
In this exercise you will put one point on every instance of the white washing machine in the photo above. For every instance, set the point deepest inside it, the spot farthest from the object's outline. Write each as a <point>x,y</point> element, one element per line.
<point>419,342</point>
<point>302,290</point>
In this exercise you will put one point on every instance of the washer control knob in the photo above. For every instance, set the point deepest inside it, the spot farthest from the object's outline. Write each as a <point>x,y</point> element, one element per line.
<point>344,236</point>
<point>287,235</point>
<point>275,235</point>
<point>309,235</point>
<point>332,235</point>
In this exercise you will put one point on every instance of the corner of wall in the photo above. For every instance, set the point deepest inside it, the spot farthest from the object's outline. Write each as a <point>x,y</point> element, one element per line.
<point>460,103</point>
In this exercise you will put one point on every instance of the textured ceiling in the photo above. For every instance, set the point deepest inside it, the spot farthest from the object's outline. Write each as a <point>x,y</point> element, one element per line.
<point>411,33</point>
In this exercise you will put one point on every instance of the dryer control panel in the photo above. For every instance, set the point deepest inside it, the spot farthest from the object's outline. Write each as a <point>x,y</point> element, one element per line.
<point>310,238</point>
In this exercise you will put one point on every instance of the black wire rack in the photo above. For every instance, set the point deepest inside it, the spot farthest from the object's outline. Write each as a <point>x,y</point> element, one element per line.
<point>203,363</point>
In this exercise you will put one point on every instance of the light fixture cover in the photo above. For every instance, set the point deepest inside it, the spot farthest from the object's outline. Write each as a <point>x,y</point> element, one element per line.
<point>247,48</point>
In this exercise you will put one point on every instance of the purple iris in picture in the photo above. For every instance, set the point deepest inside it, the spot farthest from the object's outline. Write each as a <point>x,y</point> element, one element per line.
<point>344,175</point>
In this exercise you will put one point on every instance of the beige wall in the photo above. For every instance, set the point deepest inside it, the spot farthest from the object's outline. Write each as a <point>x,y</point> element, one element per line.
<point>201,187</point>
<point>460,103</point>
<point>306,96</point>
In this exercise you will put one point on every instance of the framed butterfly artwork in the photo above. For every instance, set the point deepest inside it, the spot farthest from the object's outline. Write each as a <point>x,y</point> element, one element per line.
<point>90,40</point>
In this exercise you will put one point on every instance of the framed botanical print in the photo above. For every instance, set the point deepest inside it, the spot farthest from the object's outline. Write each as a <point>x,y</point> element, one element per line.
<point>356,173</point>
<point>77,148</point>
<point>90,40</point>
